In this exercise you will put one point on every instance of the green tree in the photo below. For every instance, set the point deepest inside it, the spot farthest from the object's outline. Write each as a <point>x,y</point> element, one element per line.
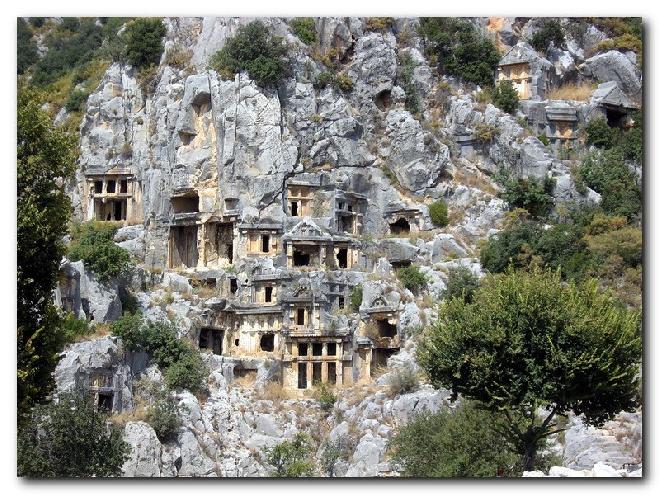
<point>45,157</point>
<point>26,48</point>
<point>356,297</point>
<point>255,50</point>
<point>550,32</point>
<point>532,195</point>
<point>505,97</point>
<point>511,246</point>
<point>466,442</point>
<point>459,49</point>
<point>292,458</point>
<point>461,282</point>
<point>530,341</point>
<point>599,133</point>
<point>92,242</point>
<point>304,28</point>
<point>607,173</point>
<point>182,364</point>
<point>438,213</point>
<point>412,278</point>
<point>163,416</point>
<point>144,42</point>
<point>69,439</point>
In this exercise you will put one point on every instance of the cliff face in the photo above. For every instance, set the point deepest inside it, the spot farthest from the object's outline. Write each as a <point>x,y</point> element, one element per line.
<point>308,191</point>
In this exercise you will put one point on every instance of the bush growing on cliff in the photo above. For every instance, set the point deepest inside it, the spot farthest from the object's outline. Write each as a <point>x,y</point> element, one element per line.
<point>144,42</point>
<point>163,416</point>
<point>505,97</point>
<point>292,458</point>
<point>45,159</point>
<point>304,28</point>
<point>255,50</point>
<point>607,173</point>
<point>438,213</point>
<point>92,243</point>
<point>460,443</point>
<point>182,365</point>
<point>459,49</point>
<point>550,32</point>
<point>356,297</point>
<point>581,353</point>
<point>461,282</point>
<point>26,48</point>
<point>69,439</point>
<point>599,133</point>
<point>532,195</point>
<point>412,278</point>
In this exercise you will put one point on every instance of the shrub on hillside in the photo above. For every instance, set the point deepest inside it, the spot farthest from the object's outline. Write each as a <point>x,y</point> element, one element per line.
<point>607,173</point>
<point>144,42</point>
<point>69,439</point>
<point>304,28</point>
<point>438,213</point>
<point>550,32</point>
<point>505,97</point>
<point>599,133</point>
<point>412,278</point>
<point>182,365</point>
<point>163,416</point>
<point>459,49</point>
<point>292,458</point>
<point>76,101</point>
<point>461,443</point>
<point>485,133</point>
<point>92,243</point>
<point>403,380</point>
<point>26,48</point>
<point>356,297</point>
<point>461,282</point>
<point>255,50</point>
<point>533,195</point>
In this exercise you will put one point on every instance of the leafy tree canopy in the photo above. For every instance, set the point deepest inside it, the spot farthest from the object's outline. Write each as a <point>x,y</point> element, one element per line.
<point>529,340</point>
<point>255,50</point>
<point>69,439</point>
<point>45,156</point>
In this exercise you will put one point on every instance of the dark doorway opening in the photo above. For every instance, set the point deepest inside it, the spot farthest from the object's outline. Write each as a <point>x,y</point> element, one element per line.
<point>294,208</point>
<point>342,257</point>
<point>332,373</point>
<point>267,342</point>
<point>302,375</point>
<point>615,118</point>
<point>332,349</point>
<point>380,356</point>
<point>183,246</point>
<point>265,243</point>
<point>210,338</point>
<point>105,401</point>
<point>316,374</point>
<point>300,258</point>
<point>268,294</point>
<point>300,316</point>
<point>385,328</point>
<point>123,186</point>
<point>302,349</point>
<point>317,349</point>
<point>112,186</point>
<point>401,226</point>
<point>98,186</point>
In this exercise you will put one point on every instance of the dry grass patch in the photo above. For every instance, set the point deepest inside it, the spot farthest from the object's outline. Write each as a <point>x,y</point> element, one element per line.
<point>475,179</point>
<point>572,91</point>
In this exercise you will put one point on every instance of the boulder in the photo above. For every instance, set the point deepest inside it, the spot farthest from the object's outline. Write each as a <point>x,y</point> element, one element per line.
<point>614,66</point>
<point>146,450</point>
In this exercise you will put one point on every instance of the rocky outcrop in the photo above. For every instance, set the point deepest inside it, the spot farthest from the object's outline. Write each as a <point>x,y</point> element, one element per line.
<point>614,66</point>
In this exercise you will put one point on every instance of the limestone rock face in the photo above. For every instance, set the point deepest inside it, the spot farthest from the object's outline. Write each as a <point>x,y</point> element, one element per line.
<point>614,66</point>
<point>146,451</point>
<point>263,182</point>
<point>416,157</point>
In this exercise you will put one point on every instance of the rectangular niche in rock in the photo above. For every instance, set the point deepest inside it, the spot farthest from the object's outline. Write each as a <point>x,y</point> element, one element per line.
<point>211,338</point>
<point>183,246</point>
